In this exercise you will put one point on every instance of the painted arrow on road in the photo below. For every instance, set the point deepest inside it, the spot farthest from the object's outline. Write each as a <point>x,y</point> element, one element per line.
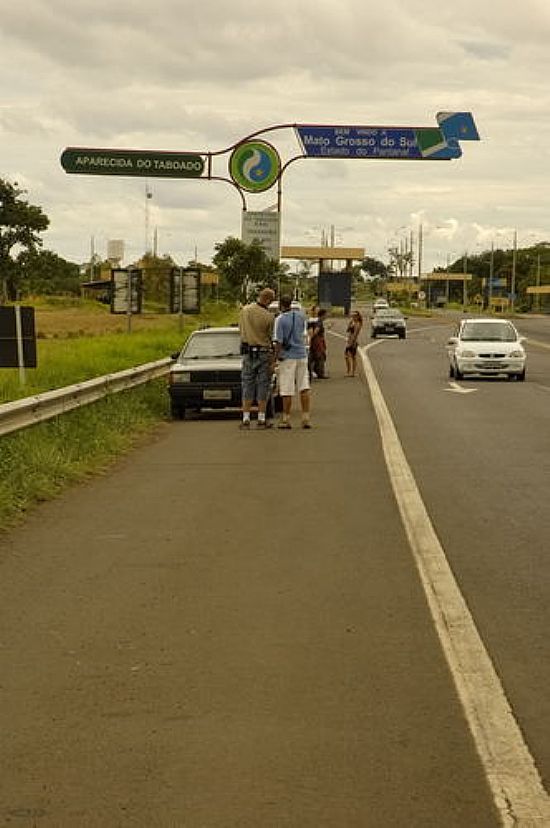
<point>457,389</point>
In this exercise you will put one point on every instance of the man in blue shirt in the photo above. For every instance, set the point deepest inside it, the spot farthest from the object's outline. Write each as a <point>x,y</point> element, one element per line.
<point>290,336</point>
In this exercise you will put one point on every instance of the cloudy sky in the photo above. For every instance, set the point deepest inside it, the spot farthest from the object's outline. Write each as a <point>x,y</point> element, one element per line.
<point>187,76</point>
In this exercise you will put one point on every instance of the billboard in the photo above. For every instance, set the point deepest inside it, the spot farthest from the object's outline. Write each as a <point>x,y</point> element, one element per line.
<point>185,290</point>
<point>123,284</point>
<point>334,289</point>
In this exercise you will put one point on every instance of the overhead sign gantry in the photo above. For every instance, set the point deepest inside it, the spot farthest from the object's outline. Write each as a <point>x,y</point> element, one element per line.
<point>255,165</point>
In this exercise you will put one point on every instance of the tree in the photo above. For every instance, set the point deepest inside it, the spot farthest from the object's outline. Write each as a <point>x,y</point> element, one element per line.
<point>20,224</point>
<point>156,272</point>
<point>401,261</point>
<point>374,268</point>
<point>244,266</point>
<point>44,272</point>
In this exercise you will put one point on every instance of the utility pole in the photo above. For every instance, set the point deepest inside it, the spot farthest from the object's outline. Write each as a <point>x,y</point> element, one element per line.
<point>514,263</point>
<point>420,251</point>
<point>92,258</point>
<point>538,281</point>
<point>464,271</point>
<point>491,273</point>
<point>148,196</point>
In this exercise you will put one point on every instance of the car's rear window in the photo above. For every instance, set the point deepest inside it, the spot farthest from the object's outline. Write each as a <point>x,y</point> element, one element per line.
<point>212,345</point>
<point>389,314</point>
<point>488,332</point>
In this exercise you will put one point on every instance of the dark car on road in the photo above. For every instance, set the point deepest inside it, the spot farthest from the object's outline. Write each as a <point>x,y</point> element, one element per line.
<point>388,321</point>
<point>207,373</point>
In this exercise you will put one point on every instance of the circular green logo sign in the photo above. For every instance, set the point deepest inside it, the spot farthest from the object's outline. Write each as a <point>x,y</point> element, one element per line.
<point>255,166</point>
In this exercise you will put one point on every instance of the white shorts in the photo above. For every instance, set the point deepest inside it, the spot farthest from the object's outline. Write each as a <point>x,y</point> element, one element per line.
<point>293,377</point>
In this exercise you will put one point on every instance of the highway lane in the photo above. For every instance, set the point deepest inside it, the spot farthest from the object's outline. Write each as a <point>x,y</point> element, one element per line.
<point>228,630</point>
<point>535,328</point>
<point>482,463</point>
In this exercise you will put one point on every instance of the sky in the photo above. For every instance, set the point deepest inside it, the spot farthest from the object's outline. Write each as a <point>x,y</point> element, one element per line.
<point>199,77</point>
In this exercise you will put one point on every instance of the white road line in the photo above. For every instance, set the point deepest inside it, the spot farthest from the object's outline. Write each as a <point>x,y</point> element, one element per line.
<point>537,343</point>
<point>509,767</point>
<point>458,389</point>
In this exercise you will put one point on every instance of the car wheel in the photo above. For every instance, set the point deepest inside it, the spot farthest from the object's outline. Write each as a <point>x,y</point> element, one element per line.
<point>373,335</point>
<point>521,377</point>
<point>451,371</point>
<point>177,411</point>
<point>458,374</point>
<point>402,336</point>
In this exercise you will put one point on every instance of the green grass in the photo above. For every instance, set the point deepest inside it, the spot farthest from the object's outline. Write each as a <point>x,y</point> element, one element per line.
<point>38,462</point>
<point>66,361</point>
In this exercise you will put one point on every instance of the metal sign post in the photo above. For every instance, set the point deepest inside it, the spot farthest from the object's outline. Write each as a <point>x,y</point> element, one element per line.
<point>129,301</point>
<point>181,301</point>
<point>19,338</point>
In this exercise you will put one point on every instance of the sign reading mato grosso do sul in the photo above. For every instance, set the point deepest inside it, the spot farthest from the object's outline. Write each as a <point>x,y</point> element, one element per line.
<point>132,162</point>
<point>439,143</point>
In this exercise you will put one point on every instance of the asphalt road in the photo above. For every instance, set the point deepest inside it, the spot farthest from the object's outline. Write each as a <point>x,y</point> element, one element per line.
<point>480,450</point>
<point>229,629</point>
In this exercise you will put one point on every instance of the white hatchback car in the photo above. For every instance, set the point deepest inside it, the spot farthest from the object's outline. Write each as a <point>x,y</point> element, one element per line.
<point>486,347</point>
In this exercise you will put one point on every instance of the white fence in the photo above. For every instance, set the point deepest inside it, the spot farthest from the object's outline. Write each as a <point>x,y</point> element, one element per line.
<point>31,410</point>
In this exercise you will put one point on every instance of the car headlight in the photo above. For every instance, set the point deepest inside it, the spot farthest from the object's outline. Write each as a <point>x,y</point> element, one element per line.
<point>517,354</point>
<point>467,354</point>
<point>181,376</point>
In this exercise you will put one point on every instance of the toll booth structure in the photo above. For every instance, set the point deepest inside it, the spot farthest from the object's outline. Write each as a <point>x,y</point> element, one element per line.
<point>334,284</point>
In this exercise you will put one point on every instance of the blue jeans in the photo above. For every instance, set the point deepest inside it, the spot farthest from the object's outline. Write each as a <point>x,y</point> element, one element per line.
<point>256,376</point>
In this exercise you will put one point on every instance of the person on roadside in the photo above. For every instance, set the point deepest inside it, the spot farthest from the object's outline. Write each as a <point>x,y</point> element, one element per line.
<point>290,337</point>
<point>256,329</point>
<point>312,315</point>
<point>352,335</point>
<point>317,355</point>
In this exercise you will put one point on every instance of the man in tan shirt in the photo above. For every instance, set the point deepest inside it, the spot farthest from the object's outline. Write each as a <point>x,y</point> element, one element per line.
<point>256,327</point>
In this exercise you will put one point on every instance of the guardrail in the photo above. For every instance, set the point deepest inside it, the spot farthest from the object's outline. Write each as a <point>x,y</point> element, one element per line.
<point>31,410</point>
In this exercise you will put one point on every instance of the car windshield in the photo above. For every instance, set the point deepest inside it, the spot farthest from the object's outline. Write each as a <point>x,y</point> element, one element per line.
<point>488,332</point>
<point>212,346</point>
<point>389,314</point>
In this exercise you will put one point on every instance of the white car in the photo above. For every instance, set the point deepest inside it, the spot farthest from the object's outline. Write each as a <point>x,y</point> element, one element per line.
<point>274,308</point>
<point>486,347</point>
<point>380,304</point>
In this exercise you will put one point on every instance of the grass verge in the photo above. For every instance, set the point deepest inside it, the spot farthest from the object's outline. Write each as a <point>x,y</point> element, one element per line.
<point>37,463</point>
<point>74,358</point>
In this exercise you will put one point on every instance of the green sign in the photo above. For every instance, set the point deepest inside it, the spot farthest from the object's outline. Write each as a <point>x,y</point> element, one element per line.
<point>144,163</point>
<point>255,166</point>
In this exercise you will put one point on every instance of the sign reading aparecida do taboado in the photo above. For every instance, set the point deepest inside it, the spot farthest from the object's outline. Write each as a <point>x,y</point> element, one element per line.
<point>132,162</point>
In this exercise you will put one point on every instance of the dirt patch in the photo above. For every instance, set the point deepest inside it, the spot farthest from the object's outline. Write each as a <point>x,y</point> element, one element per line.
<point>69,322</point>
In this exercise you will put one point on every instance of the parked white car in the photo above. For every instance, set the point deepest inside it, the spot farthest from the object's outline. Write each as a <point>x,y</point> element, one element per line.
<point>380,304</point>
<point>486,347</point>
